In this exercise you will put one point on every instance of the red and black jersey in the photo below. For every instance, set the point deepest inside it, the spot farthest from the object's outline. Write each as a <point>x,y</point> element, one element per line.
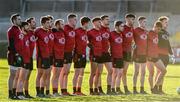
<point>70,38</point>
<point>105,33</point>
<point>42,42</point>
<point>164,44</point>
<point>127,38</point>
<point>12,34</point>
<point>116,41</point>
<point>140,39</point>
<point>81,41</point>
<point>59,43</point>
<point>95,40</point>
<point>51,42</point>
<point>32,42</point>
<point>25,53</point>
<point>152,44</point>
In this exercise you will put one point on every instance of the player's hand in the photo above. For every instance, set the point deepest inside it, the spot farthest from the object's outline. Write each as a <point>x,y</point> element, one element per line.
<point>173,59</point>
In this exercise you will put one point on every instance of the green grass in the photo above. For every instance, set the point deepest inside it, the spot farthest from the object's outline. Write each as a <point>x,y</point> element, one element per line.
<point>172,81</point>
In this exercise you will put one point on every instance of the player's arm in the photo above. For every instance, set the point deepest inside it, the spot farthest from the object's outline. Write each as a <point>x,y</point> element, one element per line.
<point>89,44</point>
<point>11,42</point>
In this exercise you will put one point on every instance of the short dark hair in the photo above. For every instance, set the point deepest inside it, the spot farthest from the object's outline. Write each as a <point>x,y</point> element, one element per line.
<point>117,23</point>
<point>130,16</point>
<point>14,17</point>
<point>50,17</point>
<point>23,24</point>
<point>163,18</point>
<point>44,19</point>
<point>141,18</point>
<point>57,21</point>
<point>103,17</point>
<point>71,15</point>
<point>30,19</point>
<point>85,20</point>
<point>158,24</point>
<point>96,19</point>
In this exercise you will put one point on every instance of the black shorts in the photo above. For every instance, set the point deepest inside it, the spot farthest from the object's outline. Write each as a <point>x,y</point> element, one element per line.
<point>117,63</point>
<point>31,64</point>
<point>151,59</point>
<point>97,59</point>
<point>139,58</point>
<point>79,61</point>
<point>127,56</point>
<point>14,60</point>
<point>26,66</point>
<point>106,57</point>
<point>68,56</point>
<point>58,63</point>
<point>165,59</point>
<point>51,60</point>
<point>43,63</point>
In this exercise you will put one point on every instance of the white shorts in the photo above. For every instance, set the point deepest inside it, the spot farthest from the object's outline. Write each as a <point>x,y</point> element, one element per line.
<point>14,68</point>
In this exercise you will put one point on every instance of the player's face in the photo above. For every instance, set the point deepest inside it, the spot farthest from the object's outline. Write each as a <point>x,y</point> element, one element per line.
<point>86,25</point>
<point>61,25</point>
<point>73,21</point>
<point>26,28</point>
<point>18,21</point>
<point>165,23</point>
<point>97,24</point>
<point>130,21</point>
<point>106,21</point>
<point>143,23</point>
<point>33,24</point>
<point>157,29</point>
<point>46,25</point>
<point>121,27</point>
<point>51,23</point>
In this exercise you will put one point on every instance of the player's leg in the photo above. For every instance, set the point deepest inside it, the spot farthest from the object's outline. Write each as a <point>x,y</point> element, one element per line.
<point>12,91</point>
<point>61,78</point>
<point>15,82</point>
<point>159,64</point>
<point>166,62</point>
<point>150,66</point>
<point>43,82</point>
<point>118,81</point>
<point>49,76</point>
<point>135,76</point>
<point>47,86</point>
<point>82,65</point>
<point>55,80</point>
<point>97,77</point>
<point>20,83</point>
<point>66,73</point>
<point>38,78</point>
<point>142,78</point>
<point>26,83</point>
<point>93,66</point>
<point>113,83</point>
<point>100,81</point>
<point>108,66</point>
<point>75,79</point>
<point>38,75</point>
<point>124,77</point>
<point>45,68</point>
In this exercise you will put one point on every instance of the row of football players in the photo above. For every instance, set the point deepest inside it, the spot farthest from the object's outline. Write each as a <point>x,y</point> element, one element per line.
<point>59,45</point>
